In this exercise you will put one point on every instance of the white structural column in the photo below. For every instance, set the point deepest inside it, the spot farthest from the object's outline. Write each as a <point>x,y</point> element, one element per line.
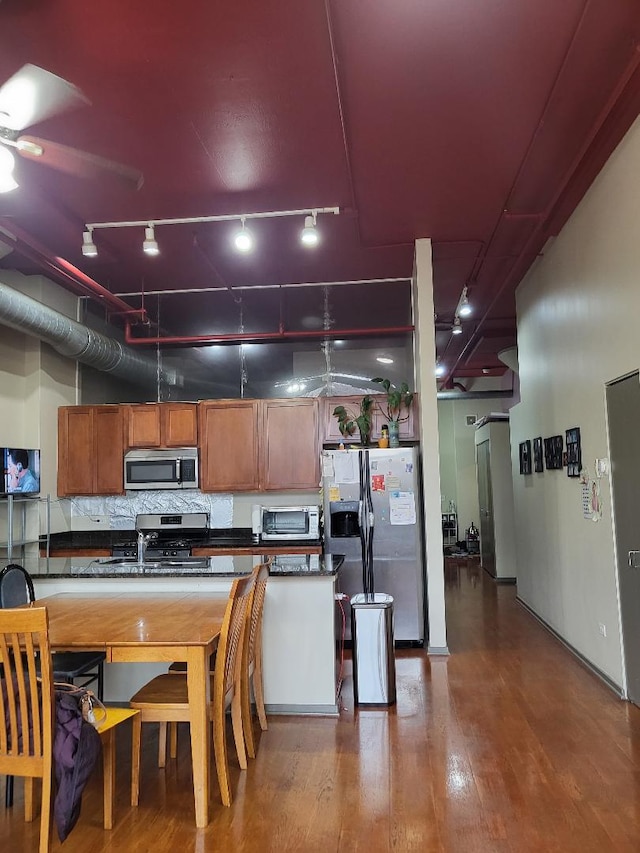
<point>425,349</point>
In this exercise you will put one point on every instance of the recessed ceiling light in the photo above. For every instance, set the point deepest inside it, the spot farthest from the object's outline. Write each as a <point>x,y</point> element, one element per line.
<point>383,359</point>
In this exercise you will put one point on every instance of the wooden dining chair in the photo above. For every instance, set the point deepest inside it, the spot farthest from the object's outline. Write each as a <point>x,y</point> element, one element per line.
<point>165,698</point>
<point>251,668</point>
<point>26,707</point>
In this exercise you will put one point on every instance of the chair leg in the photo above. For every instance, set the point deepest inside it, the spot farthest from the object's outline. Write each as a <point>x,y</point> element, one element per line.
<point>45,808</point>
<point>173,740</point>
<point>28,798</point>
<point>162,745</point>
<point>109,775</point>
<point>8,792</point>
<point>247,721</point>
<point>238,732</point>
<point>136,736</point>
<point>220,752</point>
<point>258,692</point>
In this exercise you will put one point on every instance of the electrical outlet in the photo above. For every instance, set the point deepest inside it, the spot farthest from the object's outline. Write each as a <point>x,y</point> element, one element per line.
<point>602,628</point>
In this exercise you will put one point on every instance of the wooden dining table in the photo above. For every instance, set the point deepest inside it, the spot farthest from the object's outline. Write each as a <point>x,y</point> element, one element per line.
<point>150,627</point>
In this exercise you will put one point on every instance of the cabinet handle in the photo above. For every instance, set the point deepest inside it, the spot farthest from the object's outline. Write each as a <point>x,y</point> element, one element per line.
<point>634,559</point>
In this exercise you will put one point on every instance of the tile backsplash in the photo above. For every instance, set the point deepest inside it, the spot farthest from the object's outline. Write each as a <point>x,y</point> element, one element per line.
<point>118,512</point>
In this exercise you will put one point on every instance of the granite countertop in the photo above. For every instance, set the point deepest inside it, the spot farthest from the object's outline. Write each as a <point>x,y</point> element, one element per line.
<point>227,537</point>
<point>293,565</point>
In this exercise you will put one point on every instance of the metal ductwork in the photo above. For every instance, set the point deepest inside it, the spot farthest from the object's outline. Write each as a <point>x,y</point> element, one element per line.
<point>472,395</point>
<point>76,341</point>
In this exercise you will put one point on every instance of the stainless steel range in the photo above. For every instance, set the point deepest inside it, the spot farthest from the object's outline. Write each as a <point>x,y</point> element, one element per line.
<point>166,535</point>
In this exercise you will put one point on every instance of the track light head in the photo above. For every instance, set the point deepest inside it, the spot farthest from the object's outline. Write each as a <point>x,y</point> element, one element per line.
<point>89,248</point>
<point>440,369</point>
<point>464,308</point>
<point>7,163</point>
<point>456,329</point>
<point>150,244</point>
<point>309,235</point>
<point>243,239</point>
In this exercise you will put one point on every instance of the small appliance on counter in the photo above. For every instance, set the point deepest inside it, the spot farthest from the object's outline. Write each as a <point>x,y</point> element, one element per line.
<point>285,523</point>
<point>161,469</point>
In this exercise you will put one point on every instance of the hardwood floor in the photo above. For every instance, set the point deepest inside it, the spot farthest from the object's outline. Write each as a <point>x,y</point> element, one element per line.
<point>510,744</point>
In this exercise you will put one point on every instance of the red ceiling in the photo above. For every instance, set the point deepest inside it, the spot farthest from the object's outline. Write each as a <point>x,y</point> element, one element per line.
<point>478,123</point>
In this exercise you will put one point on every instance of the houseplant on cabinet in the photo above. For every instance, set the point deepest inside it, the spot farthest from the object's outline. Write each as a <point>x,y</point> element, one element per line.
<point>348,421</point>
<point>396,410</point>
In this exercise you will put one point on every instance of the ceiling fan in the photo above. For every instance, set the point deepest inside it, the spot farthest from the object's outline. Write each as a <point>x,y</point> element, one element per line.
<point>30,96</point>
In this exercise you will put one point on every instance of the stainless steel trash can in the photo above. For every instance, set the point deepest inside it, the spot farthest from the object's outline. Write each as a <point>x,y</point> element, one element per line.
<point>374,666</point>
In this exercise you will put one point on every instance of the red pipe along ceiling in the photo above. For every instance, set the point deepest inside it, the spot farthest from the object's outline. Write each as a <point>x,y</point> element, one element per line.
<point>261,337</point>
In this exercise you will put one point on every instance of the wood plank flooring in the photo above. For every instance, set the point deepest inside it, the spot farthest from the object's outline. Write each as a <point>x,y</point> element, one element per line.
<point>510,744</point>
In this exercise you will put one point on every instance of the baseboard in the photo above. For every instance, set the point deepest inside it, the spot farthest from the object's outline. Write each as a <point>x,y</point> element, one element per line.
<point>293,710</point>
<point>616,688</point>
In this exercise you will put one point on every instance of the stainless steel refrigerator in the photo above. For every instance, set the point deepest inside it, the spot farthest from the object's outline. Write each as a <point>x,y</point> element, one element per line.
<point>373,516</point>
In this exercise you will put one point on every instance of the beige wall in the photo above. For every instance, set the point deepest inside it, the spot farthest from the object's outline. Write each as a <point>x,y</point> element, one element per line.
<point>577,330</point>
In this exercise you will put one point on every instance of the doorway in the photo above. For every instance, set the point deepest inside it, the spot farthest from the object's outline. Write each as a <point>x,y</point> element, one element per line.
<point>623,413</point>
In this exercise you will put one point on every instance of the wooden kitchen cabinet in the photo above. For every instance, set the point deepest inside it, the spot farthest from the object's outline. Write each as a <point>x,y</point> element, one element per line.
<point>90,450</point>
<point>228,432</point>
<point>331,434</point>
<point>162,425</point>
<point>258,445</point>
<point>290,453</point>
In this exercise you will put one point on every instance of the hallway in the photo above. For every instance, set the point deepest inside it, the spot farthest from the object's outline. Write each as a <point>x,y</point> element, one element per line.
<point>509,744</point>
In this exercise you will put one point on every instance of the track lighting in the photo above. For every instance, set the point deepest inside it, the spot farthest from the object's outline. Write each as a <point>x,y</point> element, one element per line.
<point>89,248</point>
<point>7,163</point>
<point>440,369</point>
<point>243,239</point>
<point>456,329</point>
<point>464,308</point>
<point>309,235</point>
<point>383,359</point>
<point>150,244</point>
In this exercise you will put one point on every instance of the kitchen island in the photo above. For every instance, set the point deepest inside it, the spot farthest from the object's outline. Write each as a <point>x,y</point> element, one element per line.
<point>299,637</point>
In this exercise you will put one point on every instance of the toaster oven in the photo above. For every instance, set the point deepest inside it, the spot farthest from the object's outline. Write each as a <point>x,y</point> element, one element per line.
<point>285,523</point>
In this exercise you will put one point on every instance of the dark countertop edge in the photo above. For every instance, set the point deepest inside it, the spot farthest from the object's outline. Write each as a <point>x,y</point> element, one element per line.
<point>238,537</point>
<point>173,574</point>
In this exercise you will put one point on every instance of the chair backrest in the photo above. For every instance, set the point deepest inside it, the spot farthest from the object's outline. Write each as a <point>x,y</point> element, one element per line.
<point>16,586</point>
<point>254,622</point>
<point>26,694</point>
<point>232,636</point>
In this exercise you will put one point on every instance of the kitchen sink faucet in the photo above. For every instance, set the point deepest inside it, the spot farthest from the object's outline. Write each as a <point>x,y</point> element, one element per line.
<point>143,541</point>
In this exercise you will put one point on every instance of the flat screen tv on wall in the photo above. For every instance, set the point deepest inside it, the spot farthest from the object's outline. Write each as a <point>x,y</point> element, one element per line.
<point>21,471</point>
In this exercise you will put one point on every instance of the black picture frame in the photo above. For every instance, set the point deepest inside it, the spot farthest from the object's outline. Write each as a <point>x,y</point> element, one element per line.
<point>553,447</point>
<point>574,452</point>
<point>538,463</point>
<point>525,457</point>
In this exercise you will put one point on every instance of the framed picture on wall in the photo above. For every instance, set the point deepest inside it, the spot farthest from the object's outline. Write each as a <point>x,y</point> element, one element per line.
<point>574,452</point>
<point>538,464</point>
<point>553,447</point>
<point>525,457</point>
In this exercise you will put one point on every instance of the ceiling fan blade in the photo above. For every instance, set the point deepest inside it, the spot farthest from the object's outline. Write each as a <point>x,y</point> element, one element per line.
<point>33,94</point>
<point>76,162</point>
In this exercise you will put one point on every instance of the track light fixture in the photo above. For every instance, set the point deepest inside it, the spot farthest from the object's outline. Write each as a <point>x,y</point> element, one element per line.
<point>89,248</point>
<point>309,235</point>
<point>7,163</point>
<point>464,307</point>
<point>456,329</point>
<point>440,369</point>
<point>243,239</point>
<point>150,244</point>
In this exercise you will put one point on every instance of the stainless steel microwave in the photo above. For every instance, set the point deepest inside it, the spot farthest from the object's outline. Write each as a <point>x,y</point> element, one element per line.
<point>161,469</point>
<point>285,523</point>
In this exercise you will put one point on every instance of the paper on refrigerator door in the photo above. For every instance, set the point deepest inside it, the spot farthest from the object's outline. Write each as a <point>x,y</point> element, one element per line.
<point>402,508</point>
<point>345,467</point>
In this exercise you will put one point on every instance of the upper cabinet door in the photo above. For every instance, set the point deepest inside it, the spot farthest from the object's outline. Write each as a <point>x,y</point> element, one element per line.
<point>162,425</point>
<point>228,432</point>
<point>290,456</point>
<point>179,424</point>
<point>90,450</point>
<point>143,425</point>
